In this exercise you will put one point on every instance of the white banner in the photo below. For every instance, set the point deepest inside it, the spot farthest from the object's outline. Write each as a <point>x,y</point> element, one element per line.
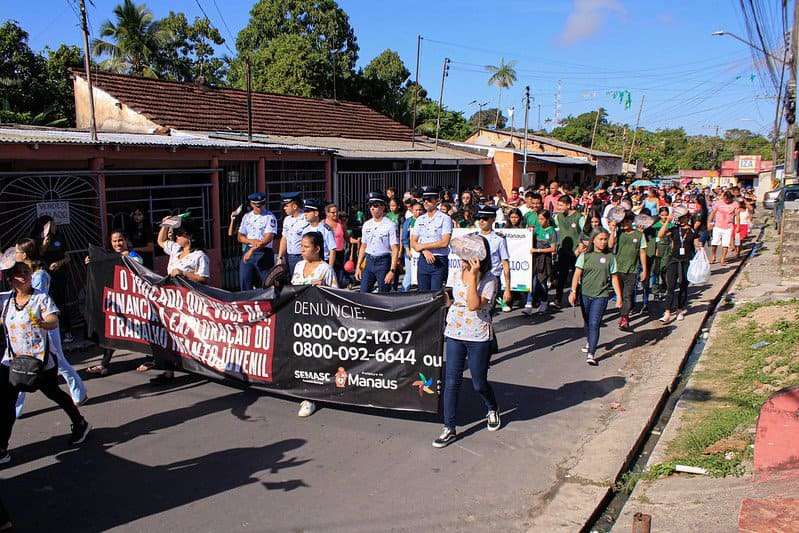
<point>519,241</point>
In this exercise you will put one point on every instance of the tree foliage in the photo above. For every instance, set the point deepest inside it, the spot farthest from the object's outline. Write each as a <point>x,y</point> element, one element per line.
<point>189,51</point>
<point>488,117</point>
<point>503,76</point>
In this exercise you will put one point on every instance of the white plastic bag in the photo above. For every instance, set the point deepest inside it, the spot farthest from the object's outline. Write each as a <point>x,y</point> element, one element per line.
<point>699,268</point>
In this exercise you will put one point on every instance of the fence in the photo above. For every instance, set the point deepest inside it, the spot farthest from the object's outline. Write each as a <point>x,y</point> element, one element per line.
<point>352,187</point>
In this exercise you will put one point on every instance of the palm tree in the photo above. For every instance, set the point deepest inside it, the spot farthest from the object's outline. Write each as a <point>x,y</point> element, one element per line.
<point>136,39</point>
<point>503,76</point>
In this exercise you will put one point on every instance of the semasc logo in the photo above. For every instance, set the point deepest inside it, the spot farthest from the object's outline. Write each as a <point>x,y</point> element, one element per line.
<point>317,378</point>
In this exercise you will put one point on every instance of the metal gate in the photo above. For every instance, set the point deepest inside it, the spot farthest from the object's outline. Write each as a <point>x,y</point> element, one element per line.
<point>236,181</point>
<point>354,186</point>
<point>72,199</point>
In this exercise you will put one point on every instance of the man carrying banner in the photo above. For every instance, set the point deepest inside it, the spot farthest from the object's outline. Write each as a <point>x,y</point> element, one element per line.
<point>430,236</point>
<point>500,264</point>
<point>257,230</point>
<point>312,210</point>
<point>293,225</point>
<point>380,249</point>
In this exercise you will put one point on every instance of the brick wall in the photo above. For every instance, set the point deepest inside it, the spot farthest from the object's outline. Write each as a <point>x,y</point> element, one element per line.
<point>789,244</point>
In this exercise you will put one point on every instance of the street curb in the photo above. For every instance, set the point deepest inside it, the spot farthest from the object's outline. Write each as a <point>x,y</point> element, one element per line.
<point>664,397</point>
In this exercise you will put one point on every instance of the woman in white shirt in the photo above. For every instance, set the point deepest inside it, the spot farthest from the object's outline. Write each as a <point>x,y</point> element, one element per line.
<point>184,260</point>
<point>468,337</point>
<point>312,270</point>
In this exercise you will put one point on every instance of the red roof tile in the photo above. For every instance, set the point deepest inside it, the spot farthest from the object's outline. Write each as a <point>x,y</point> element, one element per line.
<point>189,107</point>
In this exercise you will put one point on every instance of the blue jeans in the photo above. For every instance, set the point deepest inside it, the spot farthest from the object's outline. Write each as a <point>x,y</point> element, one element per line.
<point>377,266</point>
<point>253,272</point>
<point>76,387</point>
<point>593,309</point>
<point>432,277</point>
<point>291,262</point>
<point>478,354</point>
<point>406,279</point>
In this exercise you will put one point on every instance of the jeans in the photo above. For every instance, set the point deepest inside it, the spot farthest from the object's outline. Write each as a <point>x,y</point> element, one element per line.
<point>406,279</point>
<point>432,277</point>
<point>377,266</point>
<point>677,285</point>
<point>49,387</point>
<point>478,354</point>
<point>566,261</point>
<point>539,294</point>
<point>628,283</point>
<point>76,387</point>
<point>253,272</point>
<point>593,309</point>
<point>291,262</point>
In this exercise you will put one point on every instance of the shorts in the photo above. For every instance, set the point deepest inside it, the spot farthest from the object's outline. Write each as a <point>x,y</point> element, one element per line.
<point>743,231</point>
<point>721,236</point>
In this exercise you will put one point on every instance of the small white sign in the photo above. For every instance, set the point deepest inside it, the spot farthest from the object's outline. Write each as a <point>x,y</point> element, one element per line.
<point>58,210</point>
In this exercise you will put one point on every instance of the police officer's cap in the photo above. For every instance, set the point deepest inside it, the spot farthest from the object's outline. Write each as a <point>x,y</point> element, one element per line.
<point>430,192</point>
<point>289,197</point>
<point>487,211</point>
<point>313,205</point>
<point>257,198</point>
<point>376,198</point>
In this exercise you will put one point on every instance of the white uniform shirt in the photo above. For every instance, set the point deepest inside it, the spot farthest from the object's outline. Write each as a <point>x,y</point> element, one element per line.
<point>293,228</point>
<point>431,229</point>
<point>196,262</point>
<point>256,227</point>
<point>328,239</point>
<point>499,251</point>
<point>379,237</point>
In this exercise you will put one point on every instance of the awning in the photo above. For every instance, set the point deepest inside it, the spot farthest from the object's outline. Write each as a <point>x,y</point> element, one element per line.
<point>559,160</point>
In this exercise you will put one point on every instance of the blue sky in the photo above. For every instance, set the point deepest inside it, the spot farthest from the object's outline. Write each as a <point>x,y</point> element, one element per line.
<point>660,49</point>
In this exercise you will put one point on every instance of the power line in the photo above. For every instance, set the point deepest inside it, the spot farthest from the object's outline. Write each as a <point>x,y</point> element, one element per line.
<point>209,20</point>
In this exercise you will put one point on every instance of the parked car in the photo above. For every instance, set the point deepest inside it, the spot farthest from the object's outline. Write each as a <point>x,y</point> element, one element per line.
<point>788,193</point>
<point>771,197</point>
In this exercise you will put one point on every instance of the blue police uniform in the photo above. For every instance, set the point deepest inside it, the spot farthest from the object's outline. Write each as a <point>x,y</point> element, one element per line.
<point>378,238</point>
<point>427,229</point>
<point>253,226</point>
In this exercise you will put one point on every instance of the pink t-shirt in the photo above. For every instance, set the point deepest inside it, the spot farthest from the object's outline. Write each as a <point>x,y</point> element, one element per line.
<point>551,201</point>
<point>338,234</point>
<point>725,214</point>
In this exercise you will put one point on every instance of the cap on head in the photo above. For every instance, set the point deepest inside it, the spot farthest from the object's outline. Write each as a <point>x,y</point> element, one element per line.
<point>430,193</point>
<point>376,198</point>
<point>289,197</point>
<point>257,198</point>
<point>486,212</point>
<point>313,205</point>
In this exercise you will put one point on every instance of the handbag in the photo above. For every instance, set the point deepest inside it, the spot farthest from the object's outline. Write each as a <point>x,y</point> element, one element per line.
<point>25,371</point>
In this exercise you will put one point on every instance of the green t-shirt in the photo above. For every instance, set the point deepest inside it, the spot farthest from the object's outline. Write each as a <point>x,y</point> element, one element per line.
<point>531,219</point>
<point>597,269</point>
<point>568,230</point>
<point>628,247</point>
<point>393,217</point>
<point>545,237</point>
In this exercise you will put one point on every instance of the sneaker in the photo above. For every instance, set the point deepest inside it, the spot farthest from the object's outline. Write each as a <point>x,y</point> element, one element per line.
<point>79,432</point>
<point>67,338</point>
<point>493,421</point>
<point>506,308</point>
<point>528,310</point>
<point>681,315</point>
<point>624,323</point>
<point>590,359</point>
<point>446,438</point>
<point>5,457</point>
<point>584,349</point>
<point>306,409</point>
<point>528,306</point>
<point>542,308</point>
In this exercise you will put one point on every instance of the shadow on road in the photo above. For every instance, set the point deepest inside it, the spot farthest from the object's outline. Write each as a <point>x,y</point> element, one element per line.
<point>92,489</point>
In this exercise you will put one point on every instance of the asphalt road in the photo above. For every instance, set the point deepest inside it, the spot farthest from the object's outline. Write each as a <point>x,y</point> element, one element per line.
<point>202,456</point>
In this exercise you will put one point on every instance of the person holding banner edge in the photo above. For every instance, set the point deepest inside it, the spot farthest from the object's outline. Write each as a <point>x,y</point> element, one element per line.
<point>380,251</point>
<point>468,335</point>
<point>430,236</point>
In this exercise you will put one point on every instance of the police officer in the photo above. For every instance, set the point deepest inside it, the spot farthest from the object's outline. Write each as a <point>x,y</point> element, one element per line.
<point>256,233</point>
<point>430,236</point>
<point>380,247</point>
<point>500,263</point>
<point>312,210</point>
<point>293,225</point>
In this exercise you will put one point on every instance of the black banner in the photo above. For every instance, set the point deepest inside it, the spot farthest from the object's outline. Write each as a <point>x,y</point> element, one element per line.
<point>311,342</point>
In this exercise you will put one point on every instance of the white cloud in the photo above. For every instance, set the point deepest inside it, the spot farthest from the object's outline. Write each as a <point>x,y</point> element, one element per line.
<point>587,18</point>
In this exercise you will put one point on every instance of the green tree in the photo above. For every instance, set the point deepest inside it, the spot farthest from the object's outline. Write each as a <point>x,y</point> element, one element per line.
<point>579,129</point>
<point>453,124</point>
<point>481,119</point>
<point>503,76</point>
<point>59,80</point>
<point>132,42</point>
<point>318,29</point>
<point>21,72</point>
<point>188,53</point>
<point>384,85</point>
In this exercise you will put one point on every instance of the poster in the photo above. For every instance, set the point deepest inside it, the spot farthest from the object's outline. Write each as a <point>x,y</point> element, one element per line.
<point>309,342</point>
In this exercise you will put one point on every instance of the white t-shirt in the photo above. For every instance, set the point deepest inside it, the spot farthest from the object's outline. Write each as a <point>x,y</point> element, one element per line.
<point>466,325</point>
<point>25,339</point>
<point>323,272</point>
<point>196,262</point>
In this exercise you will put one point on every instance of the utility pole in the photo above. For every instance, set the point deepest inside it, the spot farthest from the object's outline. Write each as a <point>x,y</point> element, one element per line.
<point>637,122</point>
<point>249,97</point>
<point>444,73</point>
<point>557,104</point>
<point>790,102</point>
<point>526,112</point>
<point>416,88</point>
<point>87,67</point>
<point>596,122</point>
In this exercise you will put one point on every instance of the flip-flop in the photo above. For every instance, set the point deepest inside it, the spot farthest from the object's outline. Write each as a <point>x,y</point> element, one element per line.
<point>145,367</point>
